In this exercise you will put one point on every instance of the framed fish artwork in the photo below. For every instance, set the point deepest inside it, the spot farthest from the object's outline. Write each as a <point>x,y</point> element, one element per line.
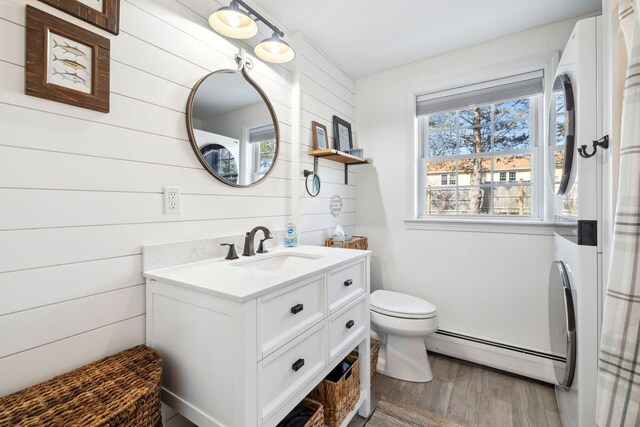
<point>66,63</point>
<point>103,14</point>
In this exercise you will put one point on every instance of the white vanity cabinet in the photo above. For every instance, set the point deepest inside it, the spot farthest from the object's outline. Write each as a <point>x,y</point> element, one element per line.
<point>242,346</point>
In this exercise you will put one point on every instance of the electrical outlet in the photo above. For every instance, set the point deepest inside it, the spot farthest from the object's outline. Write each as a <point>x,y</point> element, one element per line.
<point>172,203</point>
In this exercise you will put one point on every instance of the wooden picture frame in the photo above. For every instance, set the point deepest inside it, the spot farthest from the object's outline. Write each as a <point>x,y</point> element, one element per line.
<point>104,14</point>
<point>320,136</point>
<point>66,63</point>
<point>342,134</point>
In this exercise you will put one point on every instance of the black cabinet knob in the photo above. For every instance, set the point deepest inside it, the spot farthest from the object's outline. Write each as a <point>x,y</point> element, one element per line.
<point>348,282</point>
<point>350,324</point>
<point>297,365</point>
<point>297,308</point>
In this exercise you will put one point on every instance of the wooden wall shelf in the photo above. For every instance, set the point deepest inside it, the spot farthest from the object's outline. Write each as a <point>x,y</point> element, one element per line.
<point>337,156</point>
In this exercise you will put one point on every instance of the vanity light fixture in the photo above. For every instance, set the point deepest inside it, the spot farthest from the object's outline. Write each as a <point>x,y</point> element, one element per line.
<point>231,21</point>
<point>234,22</point>
<point>274,49</point>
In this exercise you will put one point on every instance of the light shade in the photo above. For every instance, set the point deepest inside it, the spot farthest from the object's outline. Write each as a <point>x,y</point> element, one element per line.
<point>275,50</point>
<point>232,22</point>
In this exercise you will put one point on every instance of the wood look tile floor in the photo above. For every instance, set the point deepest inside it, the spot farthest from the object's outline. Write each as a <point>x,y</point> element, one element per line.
<point>474,395</point>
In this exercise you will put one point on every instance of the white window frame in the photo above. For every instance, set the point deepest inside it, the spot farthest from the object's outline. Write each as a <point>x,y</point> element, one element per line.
<point>543,222</point>
<point>534,150</point>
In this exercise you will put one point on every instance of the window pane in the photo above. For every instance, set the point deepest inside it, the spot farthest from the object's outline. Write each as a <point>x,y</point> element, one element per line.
<point>561,119</point>
<point>570,202</point>
<point>512,110</point>
<point>475,116</point>
<point>511,135</point>
<point>476,140</point>
<point>436,170</point>
<point>442,143</point>
<point>442,121</point>
<point>474,171</point>
<point>441,201</point>
<point>474,200</point>
<point>519,165</point>
<point>512,199</point>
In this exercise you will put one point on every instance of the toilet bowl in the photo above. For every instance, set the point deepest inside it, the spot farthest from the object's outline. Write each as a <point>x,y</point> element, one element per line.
<point>403,322</point>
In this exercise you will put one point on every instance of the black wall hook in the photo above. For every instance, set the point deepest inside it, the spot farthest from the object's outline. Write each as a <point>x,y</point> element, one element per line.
<point>602,142</point>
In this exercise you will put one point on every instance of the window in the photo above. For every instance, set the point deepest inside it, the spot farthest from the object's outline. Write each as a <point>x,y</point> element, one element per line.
<point>263,140</point>
<point>475,141</point>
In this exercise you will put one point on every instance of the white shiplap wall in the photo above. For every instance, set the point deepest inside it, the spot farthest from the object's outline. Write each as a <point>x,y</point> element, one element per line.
<point>325,91</point>
<point>81,191</point>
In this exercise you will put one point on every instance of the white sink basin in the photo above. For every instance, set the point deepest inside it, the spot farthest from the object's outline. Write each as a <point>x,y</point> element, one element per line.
<point>277,261</point>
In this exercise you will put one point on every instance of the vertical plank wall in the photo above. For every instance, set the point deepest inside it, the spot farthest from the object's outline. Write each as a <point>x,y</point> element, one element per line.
<point>325,91</point>
<point>81,191</point>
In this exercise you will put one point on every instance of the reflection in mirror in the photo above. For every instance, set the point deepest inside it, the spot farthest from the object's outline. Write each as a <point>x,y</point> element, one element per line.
<point>234,131</point>
<point>561,133</point>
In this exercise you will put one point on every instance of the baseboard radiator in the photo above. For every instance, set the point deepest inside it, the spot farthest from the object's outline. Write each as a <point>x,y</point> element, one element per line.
<point>522,350</point>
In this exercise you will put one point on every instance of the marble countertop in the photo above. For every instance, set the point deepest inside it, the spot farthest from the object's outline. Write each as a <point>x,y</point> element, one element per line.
<point>240,281</point>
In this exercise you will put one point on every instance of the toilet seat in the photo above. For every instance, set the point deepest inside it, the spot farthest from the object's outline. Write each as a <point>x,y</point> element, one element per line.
<point>402,306</point>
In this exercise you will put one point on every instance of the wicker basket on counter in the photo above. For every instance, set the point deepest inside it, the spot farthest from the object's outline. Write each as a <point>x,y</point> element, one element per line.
<point>339,398</point>
<point>119,390</point>
<point>358,242</point>
<point>375,352</point>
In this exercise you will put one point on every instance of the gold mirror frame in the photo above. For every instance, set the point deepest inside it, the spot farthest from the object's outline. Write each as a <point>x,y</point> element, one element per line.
<point>244,63</point>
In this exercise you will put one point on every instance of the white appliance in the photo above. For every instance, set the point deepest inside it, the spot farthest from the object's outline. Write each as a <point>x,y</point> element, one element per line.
<point>575,276</point>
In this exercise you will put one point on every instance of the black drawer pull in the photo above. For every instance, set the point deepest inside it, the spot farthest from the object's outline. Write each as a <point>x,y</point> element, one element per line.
<point>299,364</point>
<point>350,324</point>
<point>348,282</point>
<point>297,308</point>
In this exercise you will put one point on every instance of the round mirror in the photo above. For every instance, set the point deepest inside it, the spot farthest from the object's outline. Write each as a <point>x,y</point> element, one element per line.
<point>312,183</point>
<point>561,133</point>
<point>233,128</point>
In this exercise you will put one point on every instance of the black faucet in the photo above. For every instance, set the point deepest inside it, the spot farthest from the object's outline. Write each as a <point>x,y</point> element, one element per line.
<point>248,241</point>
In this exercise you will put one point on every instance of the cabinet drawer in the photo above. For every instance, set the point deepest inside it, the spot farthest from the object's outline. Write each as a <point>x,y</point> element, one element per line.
<point>345,285</point>
<point>289,369</point>
<point>345,325</point>
<point>289,312</point>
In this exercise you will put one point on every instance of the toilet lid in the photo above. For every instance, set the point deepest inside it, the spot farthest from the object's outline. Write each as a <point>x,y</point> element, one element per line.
<point>401,305</point>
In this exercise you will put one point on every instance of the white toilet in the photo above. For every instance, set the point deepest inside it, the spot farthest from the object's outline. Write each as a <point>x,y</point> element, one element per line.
<point>403,322</point>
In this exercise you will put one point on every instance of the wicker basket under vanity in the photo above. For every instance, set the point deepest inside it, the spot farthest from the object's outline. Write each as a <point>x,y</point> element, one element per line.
<point>358,242</point>
<point>339,398</point>
<point>315,408</point>
<point>375,352</point>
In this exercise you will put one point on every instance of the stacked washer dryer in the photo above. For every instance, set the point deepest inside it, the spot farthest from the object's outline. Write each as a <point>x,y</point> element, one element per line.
<point>574,279</point>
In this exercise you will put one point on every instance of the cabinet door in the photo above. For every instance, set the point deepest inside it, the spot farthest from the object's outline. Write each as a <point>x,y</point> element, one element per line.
<point>290,369</point>
<point>289,312</point>
<point>345,285</point>
<point>346,326</point>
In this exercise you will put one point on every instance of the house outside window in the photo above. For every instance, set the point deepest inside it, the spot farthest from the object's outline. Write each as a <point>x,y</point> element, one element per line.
<point>482,137</point>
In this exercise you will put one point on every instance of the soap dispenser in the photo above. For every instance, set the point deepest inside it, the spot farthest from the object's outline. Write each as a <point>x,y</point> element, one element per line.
<point>290,237</point>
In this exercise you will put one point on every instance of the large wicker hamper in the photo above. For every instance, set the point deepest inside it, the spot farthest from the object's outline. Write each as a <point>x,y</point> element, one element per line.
<point>119,390</point>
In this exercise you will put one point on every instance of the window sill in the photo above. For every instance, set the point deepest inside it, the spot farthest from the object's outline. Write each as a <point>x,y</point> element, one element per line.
<point>481,225</point>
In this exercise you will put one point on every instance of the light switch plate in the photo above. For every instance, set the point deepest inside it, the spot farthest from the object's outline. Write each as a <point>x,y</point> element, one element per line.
<point>172,200</point>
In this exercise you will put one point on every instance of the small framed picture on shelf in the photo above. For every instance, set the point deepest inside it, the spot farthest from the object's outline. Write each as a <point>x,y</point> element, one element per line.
<point>66,63</point>
<point>342,134</point>
<point>320,136</point>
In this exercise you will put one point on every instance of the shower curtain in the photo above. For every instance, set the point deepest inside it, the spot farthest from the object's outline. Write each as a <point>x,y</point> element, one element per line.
<point>619,359</point>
